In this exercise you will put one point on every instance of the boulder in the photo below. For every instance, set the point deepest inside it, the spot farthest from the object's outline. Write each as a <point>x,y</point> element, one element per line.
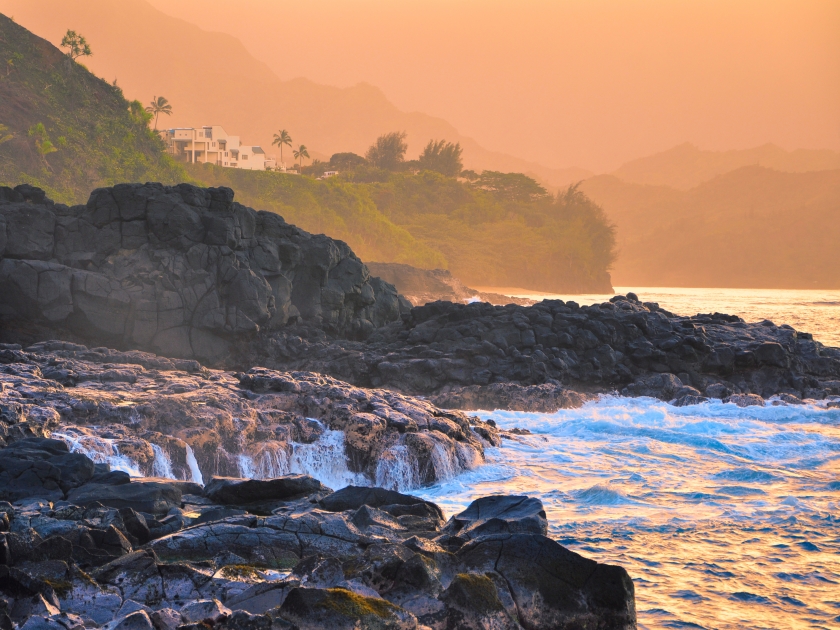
<point>152,497</point>
<point>745,400</point>
<point>239,491</point>
<point>551,586</point>
<point>473,603</point>
<point>204,610</point>
<point>138,620</point>
<point>395,503</point>
<point>500,514</point>
<point>342,609</point>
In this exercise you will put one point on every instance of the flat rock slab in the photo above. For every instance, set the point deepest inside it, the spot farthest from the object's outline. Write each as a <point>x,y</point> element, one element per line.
<point>240,491</point>
<point>152,497</point>
<point>354,497</point>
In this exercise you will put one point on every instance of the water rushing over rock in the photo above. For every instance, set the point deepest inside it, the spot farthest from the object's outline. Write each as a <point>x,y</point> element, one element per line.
<point>128,410</point>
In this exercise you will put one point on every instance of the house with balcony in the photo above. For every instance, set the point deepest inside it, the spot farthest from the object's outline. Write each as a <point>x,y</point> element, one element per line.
<point>213,145</point>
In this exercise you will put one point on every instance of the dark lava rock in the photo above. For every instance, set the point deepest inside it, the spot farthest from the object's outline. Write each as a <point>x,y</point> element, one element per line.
<point>552,586</point>
<point>237,491</point>
<point>41,467</point>
<point>204,270</point>
<point>339,608</point>
<point>473,603</point>
<point>191,423</point>
<point>500,514</point>
<point>153,497</point>
<point>77,563</point>
<point>545,398</point>
<point>395,503</point>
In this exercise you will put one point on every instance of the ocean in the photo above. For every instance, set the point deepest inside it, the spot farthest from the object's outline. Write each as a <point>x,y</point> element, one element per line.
<point>725,517</point>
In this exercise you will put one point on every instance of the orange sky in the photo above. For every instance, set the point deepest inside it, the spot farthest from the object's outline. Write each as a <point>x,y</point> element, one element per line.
<point>589,83</point>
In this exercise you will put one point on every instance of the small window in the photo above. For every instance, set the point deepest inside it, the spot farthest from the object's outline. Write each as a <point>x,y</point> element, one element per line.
<point>245,157</point>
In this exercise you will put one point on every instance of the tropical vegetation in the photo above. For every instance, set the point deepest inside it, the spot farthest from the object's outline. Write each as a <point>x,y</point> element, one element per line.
<point>66,130</point>
<point>69,132</point>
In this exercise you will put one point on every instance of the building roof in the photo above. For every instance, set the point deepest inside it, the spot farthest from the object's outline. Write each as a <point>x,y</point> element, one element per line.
<point>257,150</point>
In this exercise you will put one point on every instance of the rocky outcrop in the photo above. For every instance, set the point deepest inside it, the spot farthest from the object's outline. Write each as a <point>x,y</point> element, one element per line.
<point>190,274</point>
<point>155,417</point>
<point>360,558</point>
<point>421,286</point>
<point>181,270</point>
<point>535,358</point>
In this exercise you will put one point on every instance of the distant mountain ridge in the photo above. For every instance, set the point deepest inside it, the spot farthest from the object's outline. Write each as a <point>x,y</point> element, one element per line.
<point>685,166</point>
<point>241,93</point>
<point>752,227</point>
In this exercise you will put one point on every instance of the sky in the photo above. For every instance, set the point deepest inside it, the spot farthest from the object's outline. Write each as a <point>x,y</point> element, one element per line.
<point>589,83</point>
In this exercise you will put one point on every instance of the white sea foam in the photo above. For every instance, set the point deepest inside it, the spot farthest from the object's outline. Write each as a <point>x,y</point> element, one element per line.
<point>325,460</point>
<point>397,470</point>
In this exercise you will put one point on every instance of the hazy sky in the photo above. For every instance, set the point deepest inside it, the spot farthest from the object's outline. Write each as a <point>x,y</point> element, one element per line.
<point>590,83</point>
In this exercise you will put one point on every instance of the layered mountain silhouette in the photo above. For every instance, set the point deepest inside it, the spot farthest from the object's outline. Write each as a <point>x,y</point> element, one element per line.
<point>686,166</point>
<point>752,227</point>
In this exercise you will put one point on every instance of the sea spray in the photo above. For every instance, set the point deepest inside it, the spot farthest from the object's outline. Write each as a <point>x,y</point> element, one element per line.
<point>192,463</point>
<point>397,469</point>
<point>325,459</point>
<point>162,466</point>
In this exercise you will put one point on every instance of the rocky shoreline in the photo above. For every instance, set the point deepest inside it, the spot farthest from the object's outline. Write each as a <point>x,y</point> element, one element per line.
<point>85,547</point>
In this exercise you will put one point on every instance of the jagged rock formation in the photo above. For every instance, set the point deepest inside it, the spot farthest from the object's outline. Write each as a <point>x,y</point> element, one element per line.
<point>151,416</point>
<point>161,555</point>
<point>179,270</point>
<point>421,286</point>
<point>528,358</point>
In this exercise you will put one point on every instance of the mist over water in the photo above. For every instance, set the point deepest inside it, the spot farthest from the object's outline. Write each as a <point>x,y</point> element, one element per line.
<point>725,517</point>
<point>816,312</point>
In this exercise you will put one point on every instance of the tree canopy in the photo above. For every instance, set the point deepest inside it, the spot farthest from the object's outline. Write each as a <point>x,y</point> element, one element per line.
<point>388,151</point>
<point>443,157</point>
<point>76,45</point>
<point>510,186</point>
<point>344,161</point>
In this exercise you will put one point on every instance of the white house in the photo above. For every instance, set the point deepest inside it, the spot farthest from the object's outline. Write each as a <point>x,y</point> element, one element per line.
<point>200,145</point>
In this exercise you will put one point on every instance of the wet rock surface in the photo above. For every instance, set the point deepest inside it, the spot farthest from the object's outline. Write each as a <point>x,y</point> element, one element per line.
<point>360,558</point>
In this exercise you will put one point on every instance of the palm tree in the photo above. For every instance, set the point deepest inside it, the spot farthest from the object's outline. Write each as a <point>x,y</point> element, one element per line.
<point>159,106</point>
<point>301,153</point>
<point>281,138</point>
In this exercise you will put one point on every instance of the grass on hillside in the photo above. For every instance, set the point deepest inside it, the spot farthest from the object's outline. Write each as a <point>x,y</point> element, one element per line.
<point>71,131</point>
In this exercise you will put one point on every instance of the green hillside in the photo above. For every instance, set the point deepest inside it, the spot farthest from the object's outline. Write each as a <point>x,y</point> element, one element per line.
<point>68,131</point>
<point>512,235</point>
